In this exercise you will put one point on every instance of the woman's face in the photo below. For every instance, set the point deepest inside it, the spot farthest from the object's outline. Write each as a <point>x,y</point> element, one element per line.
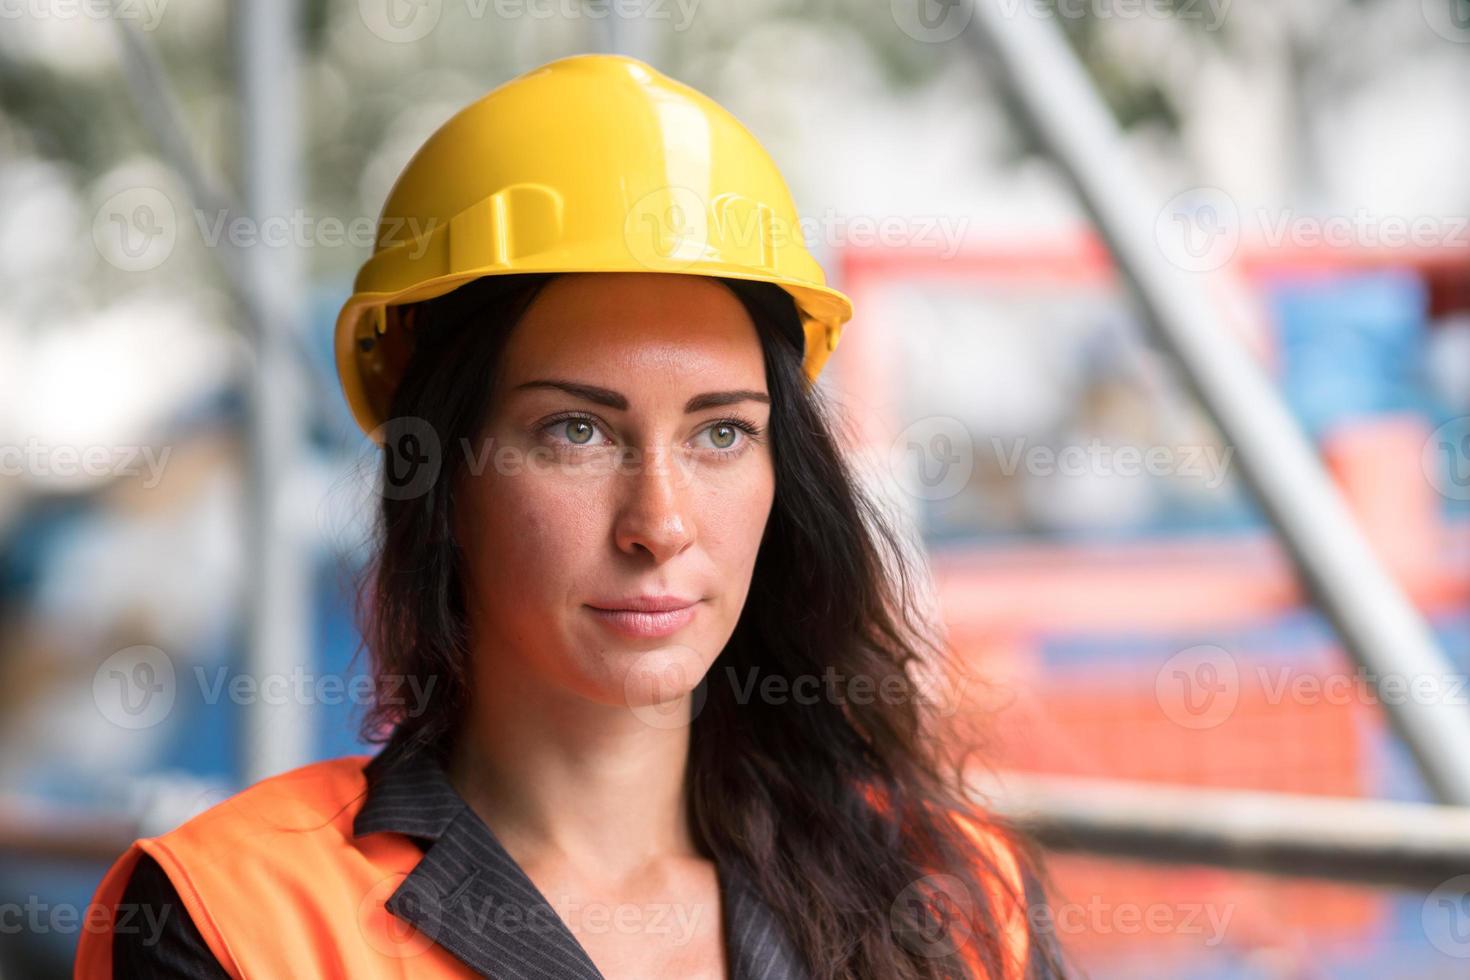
<point>624,457</point>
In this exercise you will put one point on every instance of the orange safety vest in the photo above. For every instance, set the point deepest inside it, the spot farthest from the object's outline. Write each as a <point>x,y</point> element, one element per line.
<point>279,886</point>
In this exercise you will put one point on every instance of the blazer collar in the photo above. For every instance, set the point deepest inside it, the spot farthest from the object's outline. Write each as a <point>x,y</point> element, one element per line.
<point>471,897</point>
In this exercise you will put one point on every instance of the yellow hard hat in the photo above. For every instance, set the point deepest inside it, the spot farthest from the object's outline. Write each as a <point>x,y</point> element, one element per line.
<point>593,163</point>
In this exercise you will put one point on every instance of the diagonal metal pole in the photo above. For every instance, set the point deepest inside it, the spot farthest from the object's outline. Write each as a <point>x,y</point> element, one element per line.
<point>1380,628</point>
<point>156,103</point>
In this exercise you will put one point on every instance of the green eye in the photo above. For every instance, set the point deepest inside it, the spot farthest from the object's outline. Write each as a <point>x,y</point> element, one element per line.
<point>727,430</point>
<point>581,426</point>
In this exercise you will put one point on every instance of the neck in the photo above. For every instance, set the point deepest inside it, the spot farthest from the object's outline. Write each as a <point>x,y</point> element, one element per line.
<point>562,779</point>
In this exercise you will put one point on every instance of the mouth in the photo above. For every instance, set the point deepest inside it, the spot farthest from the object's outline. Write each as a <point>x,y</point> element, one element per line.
<point>641,623</point>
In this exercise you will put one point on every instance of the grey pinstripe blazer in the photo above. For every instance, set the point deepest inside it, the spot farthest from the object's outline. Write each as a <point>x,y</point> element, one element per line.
<point>465,871</point>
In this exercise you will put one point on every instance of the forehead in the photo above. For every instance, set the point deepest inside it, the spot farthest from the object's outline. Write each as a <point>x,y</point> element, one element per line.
<point>621,328</point>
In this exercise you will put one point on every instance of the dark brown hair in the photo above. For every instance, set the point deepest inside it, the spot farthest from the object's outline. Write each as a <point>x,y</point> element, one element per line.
<point>842,808</point>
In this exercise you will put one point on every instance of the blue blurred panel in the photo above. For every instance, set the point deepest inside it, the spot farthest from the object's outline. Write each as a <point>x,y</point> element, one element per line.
<point>1351,344</point>
<point>1292,637</point>
<point>337,639</point>
<point>206,741</point>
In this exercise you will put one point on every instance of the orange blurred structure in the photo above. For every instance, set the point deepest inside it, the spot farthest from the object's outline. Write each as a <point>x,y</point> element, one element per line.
<point>1085,632</point>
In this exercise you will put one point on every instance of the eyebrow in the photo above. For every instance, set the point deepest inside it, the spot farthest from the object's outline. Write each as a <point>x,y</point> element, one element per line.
<point>612,399</point>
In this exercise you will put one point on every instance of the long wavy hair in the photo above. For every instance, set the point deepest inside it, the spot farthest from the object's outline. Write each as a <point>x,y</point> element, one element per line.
<point>842,807</point>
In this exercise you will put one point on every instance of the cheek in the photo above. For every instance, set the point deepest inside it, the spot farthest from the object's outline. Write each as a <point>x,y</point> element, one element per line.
<point>732,521</point>
<point>530,534</point>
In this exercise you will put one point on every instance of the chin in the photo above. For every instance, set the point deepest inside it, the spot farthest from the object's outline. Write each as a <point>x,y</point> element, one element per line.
<point>649,674</point>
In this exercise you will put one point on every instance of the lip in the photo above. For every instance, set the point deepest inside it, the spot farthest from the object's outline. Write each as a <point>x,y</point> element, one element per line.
<point>645,616</point>
<point>644,603</point>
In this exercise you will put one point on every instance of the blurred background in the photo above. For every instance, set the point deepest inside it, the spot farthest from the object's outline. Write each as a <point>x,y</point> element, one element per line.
<point>1162,345</point>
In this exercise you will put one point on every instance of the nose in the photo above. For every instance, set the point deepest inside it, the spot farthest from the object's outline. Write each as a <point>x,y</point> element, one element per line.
<point>654,514</point>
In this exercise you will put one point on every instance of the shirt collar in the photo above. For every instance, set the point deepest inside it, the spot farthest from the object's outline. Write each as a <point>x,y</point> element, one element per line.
<point>407,794</point>
<point>470,896</point>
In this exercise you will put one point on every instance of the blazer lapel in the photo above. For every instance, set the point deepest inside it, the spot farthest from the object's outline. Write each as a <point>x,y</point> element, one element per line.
<point>471,897</point>
<point>758,946</point>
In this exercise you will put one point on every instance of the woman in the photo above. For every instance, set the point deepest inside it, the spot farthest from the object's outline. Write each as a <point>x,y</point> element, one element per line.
<point>673,724</point>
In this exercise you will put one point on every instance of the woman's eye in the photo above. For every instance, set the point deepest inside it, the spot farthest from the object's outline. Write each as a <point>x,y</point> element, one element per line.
<point>725,436</point>
<point>577,431</point>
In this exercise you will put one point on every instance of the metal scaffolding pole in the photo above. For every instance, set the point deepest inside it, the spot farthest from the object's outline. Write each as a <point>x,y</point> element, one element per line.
<point>1369,842</point>
<point>158,107</point>
<point>1379,627</point>
<point>277,736</point>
